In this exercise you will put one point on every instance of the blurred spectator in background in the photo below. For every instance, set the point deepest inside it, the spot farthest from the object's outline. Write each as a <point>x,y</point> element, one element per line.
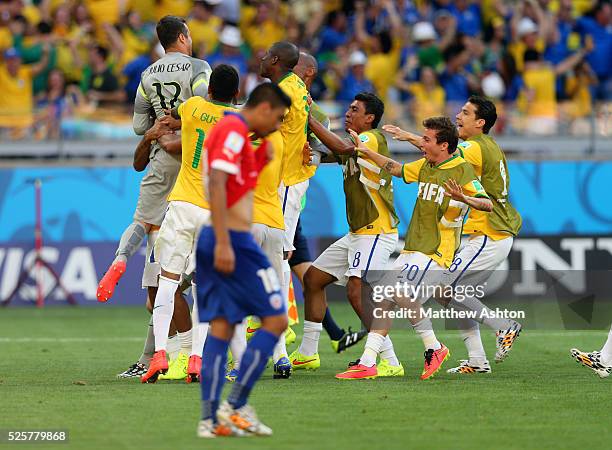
<point>530,28</point>
<point>103,86</point>
<point>383,48</point>
<point>455,80</point>
<point>265,27</point>
<point>230,51</point>
<point>538,98</point>
<point>31,42</point>
<point>495,45</point>
<point>355,81</point>
<point>427,98</point>
<point>428,51</point>
<point>16,101</point>
<point>204,27</point>
<point>513,81</point>
<point>133,70</point>
<point>57,102</point>
<point>597,27</point>
<point>578,88</point>
<point>333,35</point>
<point>104,12</point>
<point>428,47</point>
<point>180,8</point>
<point>468,17</point>
<point>253,79</point>
<point>227,10</point>
<point>407,51</point>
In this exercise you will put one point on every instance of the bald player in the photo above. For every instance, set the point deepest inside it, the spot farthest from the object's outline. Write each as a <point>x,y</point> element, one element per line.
<point>277,65</point>
<point>307,69</point>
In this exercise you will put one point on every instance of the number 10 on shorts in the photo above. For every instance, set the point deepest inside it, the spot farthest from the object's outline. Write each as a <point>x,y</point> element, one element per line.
<point>269,279</point>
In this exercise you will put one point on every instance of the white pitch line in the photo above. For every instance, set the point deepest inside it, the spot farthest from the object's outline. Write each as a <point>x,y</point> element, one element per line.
<point>539,333</point>
<point>73,339</point>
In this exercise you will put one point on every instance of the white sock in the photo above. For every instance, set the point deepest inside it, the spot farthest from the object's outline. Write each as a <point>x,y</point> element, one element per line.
<point>173,347</point>
<point>387,352</point>
<point>198,330</point>
<point>280,349</point>
<point>373,345</point>
<point>606,351</point>
<point>149,346</point>
<point>286,281</point>
<point>470,331</point>
<point>424,329</point>
<point>484,314</point>
<point>186,342</point>
<point>163,310</point>
<point>310,341</point>
<point>238,343</point>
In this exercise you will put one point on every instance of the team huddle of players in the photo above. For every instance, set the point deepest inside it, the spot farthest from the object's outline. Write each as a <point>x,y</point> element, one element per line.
<point>220,206</point>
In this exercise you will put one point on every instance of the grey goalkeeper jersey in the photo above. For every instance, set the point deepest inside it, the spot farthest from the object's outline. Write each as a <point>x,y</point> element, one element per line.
<point>167,83</point>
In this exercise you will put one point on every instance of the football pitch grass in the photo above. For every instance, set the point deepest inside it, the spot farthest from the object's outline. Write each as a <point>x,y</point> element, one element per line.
<point>58,371</point>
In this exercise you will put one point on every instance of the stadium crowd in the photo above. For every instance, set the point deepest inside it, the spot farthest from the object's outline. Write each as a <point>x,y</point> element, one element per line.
<point>547,63</point>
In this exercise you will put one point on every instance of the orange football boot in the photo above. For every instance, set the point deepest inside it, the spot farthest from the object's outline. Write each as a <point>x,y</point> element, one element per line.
<point>357,371</point>
<point>159,365</point>
<point>433,361</point>
<point>194,368</point>
<point>110,280</point>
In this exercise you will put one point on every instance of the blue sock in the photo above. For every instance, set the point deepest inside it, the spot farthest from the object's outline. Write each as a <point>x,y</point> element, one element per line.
<point>331,327</point>
<point>254,361</point>
<point>212,377</point>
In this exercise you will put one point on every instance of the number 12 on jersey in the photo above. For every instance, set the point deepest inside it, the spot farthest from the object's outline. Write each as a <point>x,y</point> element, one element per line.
<point>162,99</point>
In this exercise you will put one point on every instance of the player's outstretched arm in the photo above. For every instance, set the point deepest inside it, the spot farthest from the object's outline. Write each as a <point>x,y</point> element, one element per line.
<point>329,139</point>
<point>390,165</point>
<point>402,135</point>
<point>224,254</point>
<point>453,190</point>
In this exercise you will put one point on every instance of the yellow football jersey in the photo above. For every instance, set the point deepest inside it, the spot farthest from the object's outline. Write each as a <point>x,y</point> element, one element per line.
<point>267,208</point>
<point>198,116</point>
<point>430,192</point>
<point>478,220</point>
<point>294,131</point>
<point>383,223</point>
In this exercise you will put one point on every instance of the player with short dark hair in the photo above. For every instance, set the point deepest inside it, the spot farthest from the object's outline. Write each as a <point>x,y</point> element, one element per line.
<point>188,210</point>
<point>484,109</point>
<point>445,131</point>
<point>169,29</point>
<point>490,236</point>
<point>373,105</point>
<point>447,187</point>
<point>165,84</point>
<point>234,277</point>
<point>373,232</point>
<point>223,80</point>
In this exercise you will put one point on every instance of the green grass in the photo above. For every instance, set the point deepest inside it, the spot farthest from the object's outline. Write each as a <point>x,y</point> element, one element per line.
<point>58,369</point>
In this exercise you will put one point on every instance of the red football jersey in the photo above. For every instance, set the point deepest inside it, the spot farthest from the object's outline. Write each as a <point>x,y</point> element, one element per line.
<point>229,150</point>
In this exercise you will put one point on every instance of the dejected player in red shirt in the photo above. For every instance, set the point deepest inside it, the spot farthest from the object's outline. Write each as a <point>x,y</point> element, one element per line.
<point>233,276</point>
